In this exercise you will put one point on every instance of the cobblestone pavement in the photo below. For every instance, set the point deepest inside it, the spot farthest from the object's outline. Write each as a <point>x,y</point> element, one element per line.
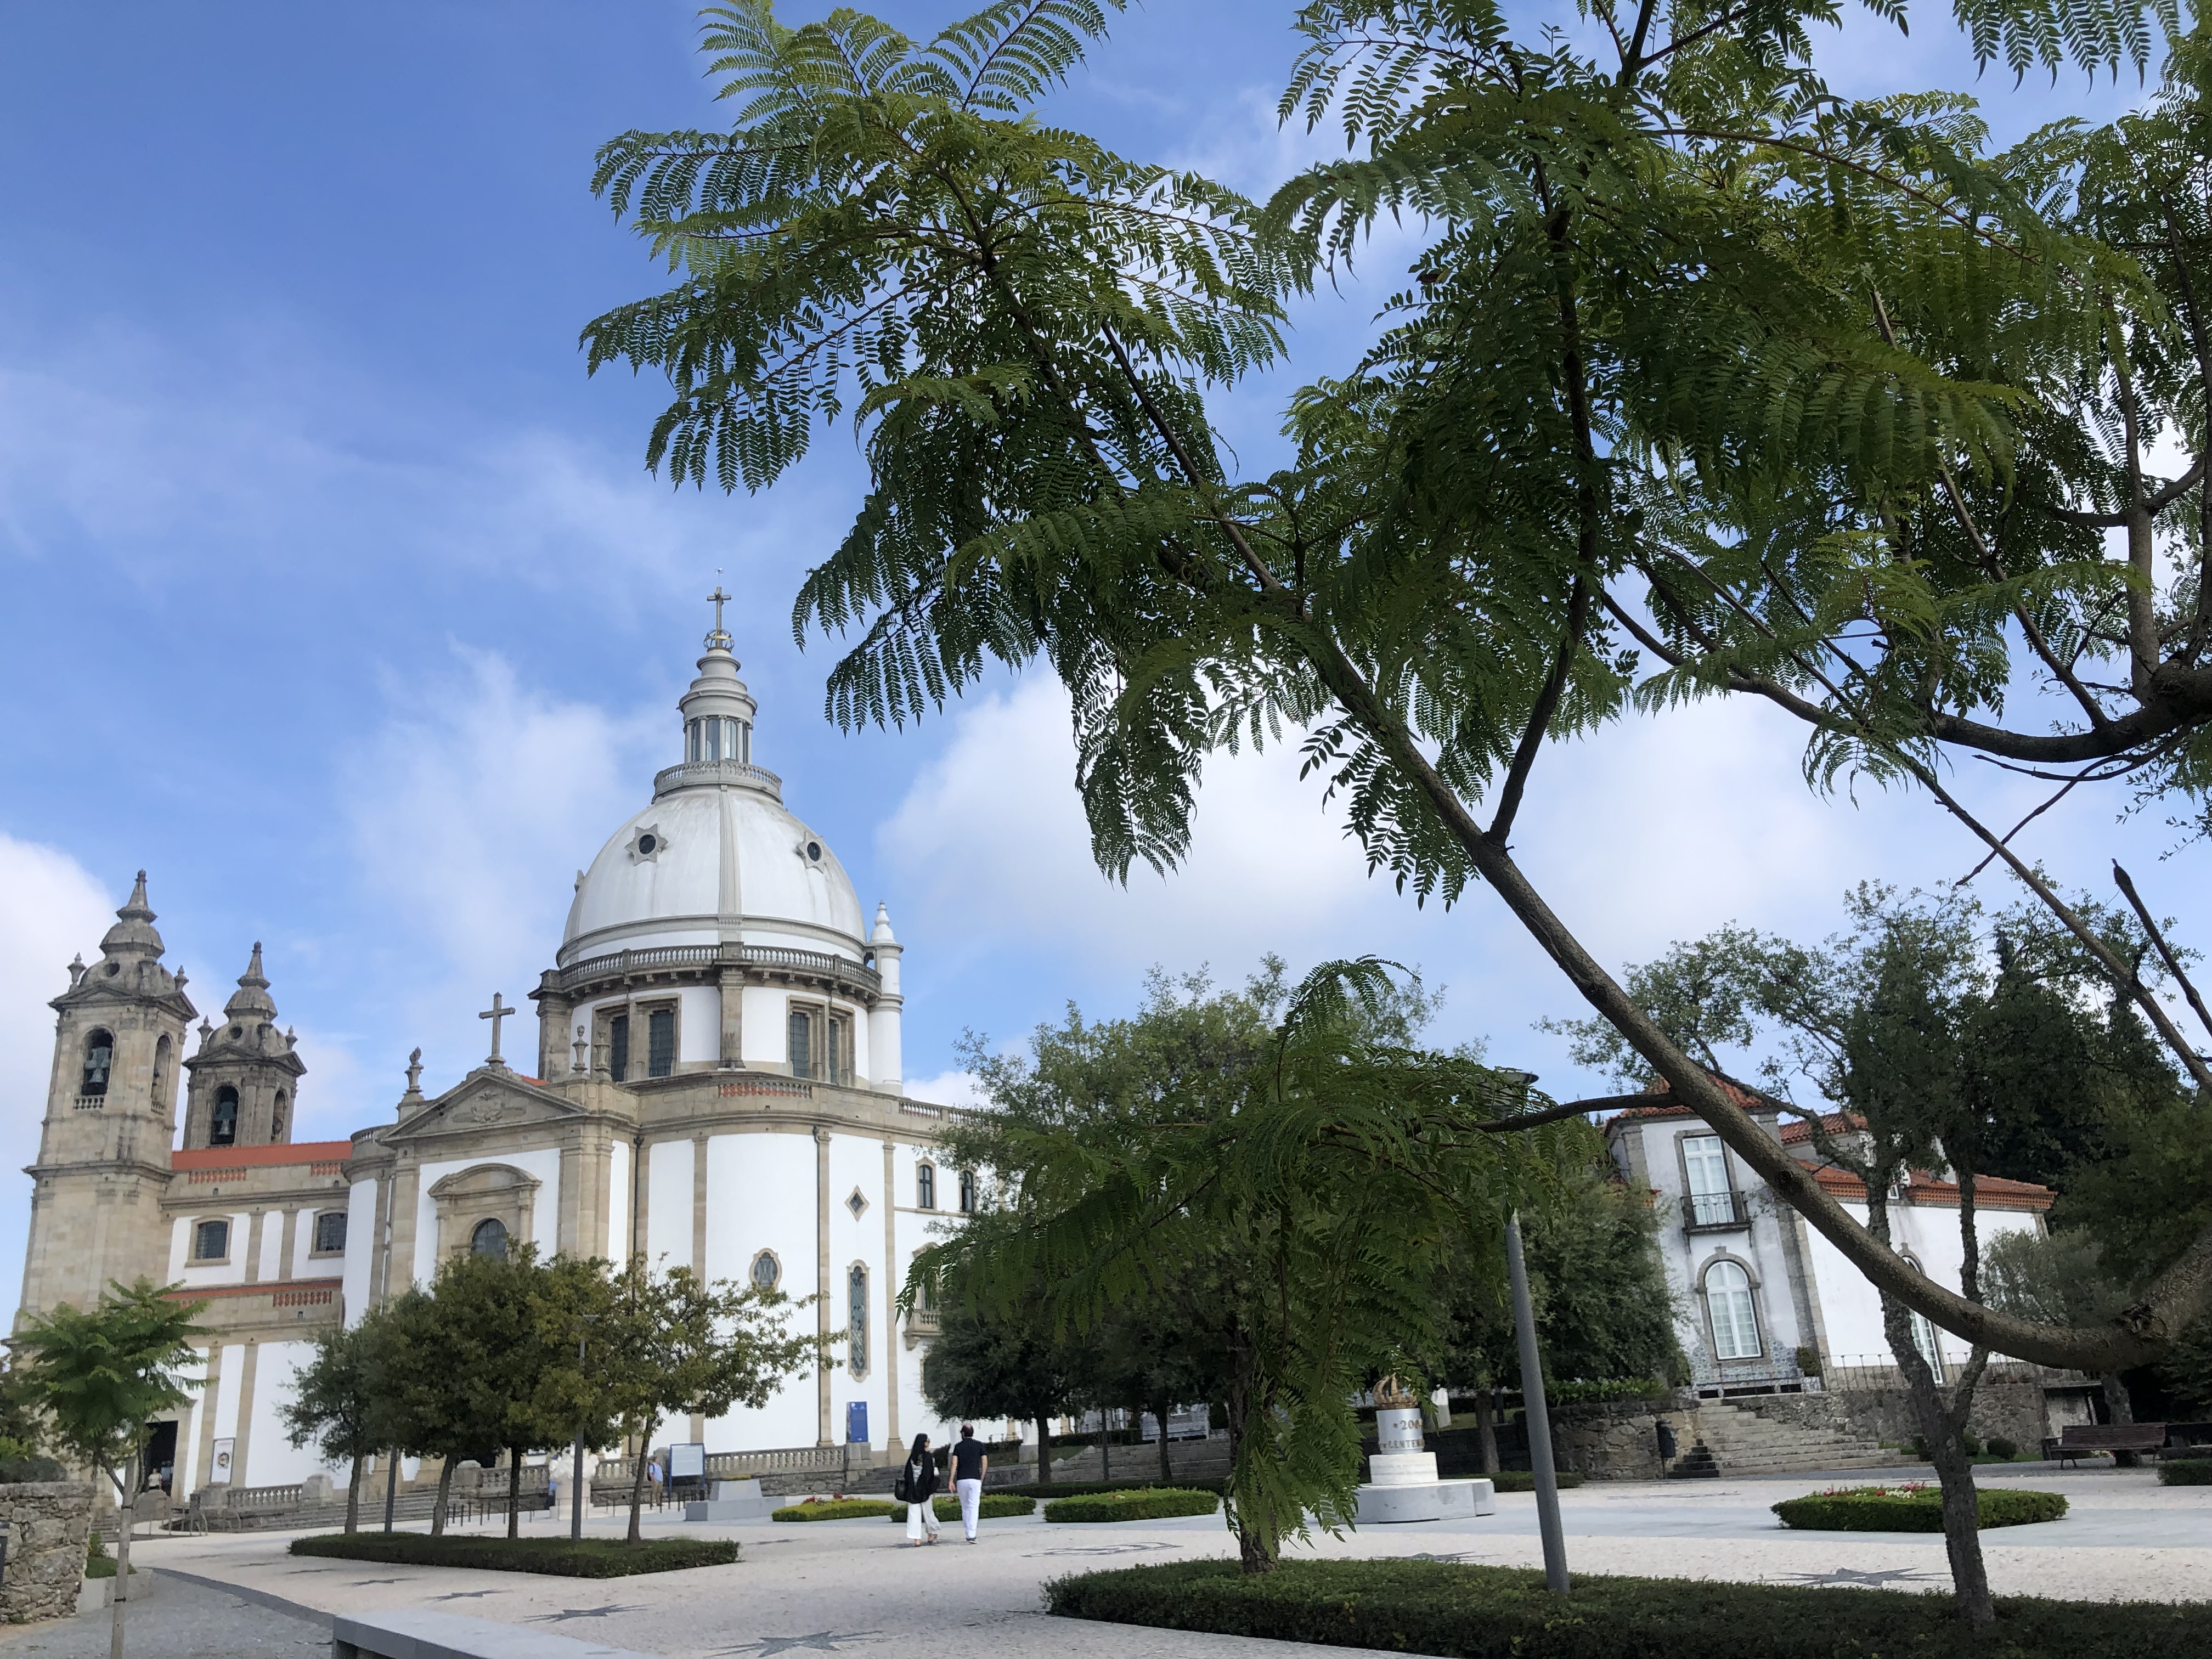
<point>855,1586</point>
<point>185,1621</point>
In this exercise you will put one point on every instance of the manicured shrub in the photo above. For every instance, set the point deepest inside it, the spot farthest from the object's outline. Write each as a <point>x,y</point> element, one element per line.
<point>837,1508</point>
<point>1916,1507</point>
<point>2186,1472</point>
<point>1149,1504</point>
<point>994,1506</point>
<point>2001,1447</point>
<point>1525,1480</point>
<point>589,1558</point>
<point>1505,1612</point>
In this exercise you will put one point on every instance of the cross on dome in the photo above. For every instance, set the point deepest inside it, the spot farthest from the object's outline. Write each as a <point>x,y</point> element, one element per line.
<point>719,639</point>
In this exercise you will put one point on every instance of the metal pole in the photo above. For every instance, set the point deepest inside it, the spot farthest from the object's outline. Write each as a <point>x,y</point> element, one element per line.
<point>391,1485</point>
<point>576,1497</point>
<point>1538,1419</point>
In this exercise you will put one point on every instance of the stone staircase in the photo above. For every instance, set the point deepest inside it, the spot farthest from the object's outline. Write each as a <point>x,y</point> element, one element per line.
<point>1742,1442</point>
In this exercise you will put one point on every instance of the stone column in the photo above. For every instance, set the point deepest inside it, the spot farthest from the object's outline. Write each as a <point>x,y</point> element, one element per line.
<point>734,1016</point>
<point>553,1012</point>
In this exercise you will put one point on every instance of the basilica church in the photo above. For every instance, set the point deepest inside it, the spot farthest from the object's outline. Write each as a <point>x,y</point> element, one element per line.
<point>715,1084</point>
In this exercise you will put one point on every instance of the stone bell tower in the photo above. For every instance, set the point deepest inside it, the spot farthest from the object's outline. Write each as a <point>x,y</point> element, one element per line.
<point>246,1077</point>
<point>111,1116</point>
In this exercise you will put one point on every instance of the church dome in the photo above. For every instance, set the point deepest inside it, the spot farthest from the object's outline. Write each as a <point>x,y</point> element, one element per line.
<point>717,858</point>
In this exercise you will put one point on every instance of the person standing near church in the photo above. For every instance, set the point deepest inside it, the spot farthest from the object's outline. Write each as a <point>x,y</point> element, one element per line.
<point>970,1463</point>
<point>920,1484</point>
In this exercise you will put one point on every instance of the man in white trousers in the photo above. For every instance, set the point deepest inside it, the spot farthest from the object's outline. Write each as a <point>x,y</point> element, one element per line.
<point>970,1463</point>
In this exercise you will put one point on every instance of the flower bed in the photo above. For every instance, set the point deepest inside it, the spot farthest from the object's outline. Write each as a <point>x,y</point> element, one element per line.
<point>1505,1612</point>
<point>994,1506</point>
<point>1150,1504</point>
<point>589,1558</point>
<point>1915,1506</point>
<point>837,1508</point>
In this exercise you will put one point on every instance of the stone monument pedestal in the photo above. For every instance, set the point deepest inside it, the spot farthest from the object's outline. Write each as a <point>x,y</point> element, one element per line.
<point>1402,1480</point>
<point>731,1500</point>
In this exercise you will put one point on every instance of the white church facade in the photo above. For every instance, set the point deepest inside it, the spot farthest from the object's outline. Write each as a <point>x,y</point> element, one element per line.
<point>716,1083</point>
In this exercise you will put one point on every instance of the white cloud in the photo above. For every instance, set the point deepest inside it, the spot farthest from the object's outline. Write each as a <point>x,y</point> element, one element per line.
<point>468,810</point>
<point>51,909</point>
<point>947,1089</point>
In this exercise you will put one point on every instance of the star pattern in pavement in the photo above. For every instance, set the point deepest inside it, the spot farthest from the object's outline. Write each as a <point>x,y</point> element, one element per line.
<point>463,1595</point>
<point>583,1612</point>
<point>824,1640</point>
<point>1874,1579</point>
<point>359,1583</point>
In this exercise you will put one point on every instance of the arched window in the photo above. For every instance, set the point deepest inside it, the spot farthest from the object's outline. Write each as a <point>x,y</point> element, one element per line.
<point>1923,1333</point>
<point>222,1123</point>
<point>856,1321</point>
<point>276,1118</point>
<point>967,1192</point>
<point>1729,1304</point>
<point>489,1239</point>
<point>161,1055</point>
<point>925,1186</point>
<point>99,1060</point>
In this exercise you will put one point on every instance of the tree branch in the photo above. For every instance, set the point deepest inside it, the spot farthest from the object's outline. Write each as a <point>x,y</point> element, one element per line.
<point>2157,939</point>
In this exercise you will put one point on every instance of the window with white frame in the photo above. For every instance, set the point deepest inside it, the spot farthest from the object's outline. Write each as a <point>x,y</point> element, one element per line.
<point>1729,1305</point>
<point>330,1232</point>
<point>1704,1161</point>
<point>210,1241</point>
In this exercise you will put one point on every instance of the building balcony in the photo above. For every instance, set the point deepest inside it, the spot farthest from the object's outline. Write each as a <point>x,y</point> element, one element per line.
<point>1713,1212</point>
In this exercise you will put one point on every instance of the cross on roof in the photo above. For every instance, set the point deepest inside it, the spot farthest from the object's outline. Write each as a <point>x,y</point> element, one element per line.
<point>496,1012</point>
<point>718,598</point>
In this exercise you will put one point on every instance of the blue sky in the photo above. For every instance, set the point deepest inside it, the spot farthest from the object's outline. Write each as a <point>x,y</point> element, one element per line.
<point>339,600</point>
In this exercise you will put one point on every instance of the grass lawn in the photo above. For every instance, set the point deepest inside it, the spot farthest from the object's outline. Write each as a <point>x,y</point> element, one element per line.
<point>1505,1612</point>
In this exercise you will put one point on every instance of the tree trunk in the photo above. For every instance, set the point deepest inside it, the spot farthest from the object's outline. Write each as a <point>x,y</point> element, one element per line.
<point>445,1492</point>
<point>353,1496</point>
<point>1160,1408</point>
<point>1105,1449</point>
<point>2120,1409</point>
<point>122,1593</point>
<point>637,1480</point>
<point>514,1492</point>
<point>1945,1433</point>
<point>1485,1430</point>
<point>1044,1451</point>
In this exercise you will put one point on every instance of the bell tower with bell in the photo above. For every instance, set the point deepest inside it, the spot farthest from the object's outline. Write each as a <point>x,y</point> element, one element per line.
<point>111,1116</point>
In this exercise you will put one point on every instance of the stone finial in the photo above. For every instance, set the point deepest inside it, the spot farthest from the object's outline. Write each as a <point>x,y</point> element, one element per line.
<point>415,1074</point>
<point>133,934</point>
<point>76,970</point>
<point>581,1051</point>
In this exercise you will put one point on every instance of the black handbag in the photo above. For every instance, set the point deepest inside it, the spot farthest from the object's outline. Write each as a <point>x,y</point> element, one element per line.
<point>899,1490</point>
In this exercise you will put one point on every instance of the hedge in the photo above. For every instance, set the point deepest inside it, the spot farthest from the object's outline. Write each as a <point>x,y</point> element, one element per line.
<point>2186,1472</point>
<point>566,1558</point>
<point>1914,1508</point>
<point>993,1506</point>
<point>1505,1612</point>
<point>1525,1480</point>
<point>29,1467</point>
<point>1151,1503</point>
<point>1087,1488</point>
<point>837,1508</point>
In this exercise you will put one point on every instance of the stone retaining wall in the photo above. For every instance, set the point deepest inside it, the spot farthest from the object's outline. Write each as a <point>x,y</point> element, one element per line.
<point>48,1522</point>
<point>2013,1410</point>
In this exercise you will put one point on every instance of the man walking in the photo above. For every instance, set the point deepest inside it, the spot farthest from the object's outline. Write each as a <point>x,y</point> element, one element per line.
<point>970,1463</point>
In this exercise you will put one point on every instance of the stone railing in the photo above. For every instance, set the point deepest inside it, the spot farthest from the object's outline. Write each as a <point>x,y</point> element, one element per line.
<point>740,774</point>
<point>1869,1370</point>
<point>738,1466</point>
<point>90,1103</point>
<point>624,964</point>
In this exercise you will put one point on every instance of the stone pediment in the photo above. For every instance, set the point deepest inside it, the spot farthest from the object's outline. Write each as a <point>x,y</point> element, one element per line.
<point>486,1099</point>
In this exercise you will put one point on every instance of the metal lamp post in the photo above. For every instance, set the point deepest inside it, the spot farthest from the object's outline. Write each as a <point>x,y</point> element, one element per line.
<point>1539,1418</point>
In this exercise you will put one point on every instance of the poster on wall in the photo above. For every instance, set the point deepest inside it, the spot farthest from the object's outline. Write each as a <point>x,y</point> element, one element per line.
<point>222,1450</point>
<point>687,1469</point>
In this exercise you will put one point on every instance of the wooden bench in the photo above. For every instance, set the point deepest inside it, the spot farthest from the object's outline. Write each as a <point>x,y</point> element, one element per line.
<point>2078,1440</point>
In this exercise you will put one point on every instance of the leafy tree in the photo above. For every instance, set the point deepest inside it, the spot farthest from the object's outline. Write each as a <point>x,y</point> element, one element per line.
<point>2060,1278</point>
<point>22,1432</point>
<point>1298,1188</point>
<point>336,1404</point>
<point>100,1376</point>
<point>1150,1356</point>
<point>1709,382</point>
<point>1006,1365</point>
<point>668,1341</point>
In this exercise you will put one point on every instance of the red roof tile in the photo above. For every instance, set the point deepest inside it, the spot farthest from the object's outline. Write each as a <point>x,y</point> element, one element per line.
<point>242,1157</point>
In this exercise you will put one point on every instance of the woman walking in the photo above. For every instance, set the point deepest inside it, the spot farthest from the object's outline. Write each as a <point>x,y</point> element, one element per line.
<point>920,1483</point>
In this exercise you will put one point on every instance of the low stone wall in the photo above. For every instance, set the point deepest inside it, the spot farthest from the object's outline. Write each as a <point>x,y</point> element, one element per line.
<point>1618,1439</point>
<point>48,1521</point>
<point>2013,1410</point>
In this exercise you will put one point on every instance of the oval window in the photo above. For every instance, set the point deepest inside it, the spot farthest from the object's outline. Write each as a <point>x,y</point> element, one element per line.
<point>647,844</point>
<point>814,851</point>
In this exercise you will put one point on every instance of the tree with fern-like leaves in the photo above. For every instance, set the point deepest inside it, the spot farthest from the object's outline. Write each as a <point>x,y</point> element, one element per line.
<point>1708,382</point>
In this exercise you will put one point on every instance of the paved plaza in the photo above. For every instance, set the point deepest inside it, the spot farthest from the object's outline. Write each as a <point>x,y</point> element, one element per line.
<point>855,1585</point>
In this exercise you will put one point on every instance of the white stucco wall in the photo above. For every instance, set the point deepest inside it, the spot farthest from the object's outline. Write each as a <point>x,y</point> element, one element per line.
<point>186,1477</point>
<point>616,1247</point>
<point>542,1164</point>
<point>761,1196</point>
<point>358,1272</point>
<point>272,1459</point>
<point>272,1246</point>
<point>1930,1234</point>
<point>180,1244</point>
<point>698,1024</point>
<point>668,1203</point>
